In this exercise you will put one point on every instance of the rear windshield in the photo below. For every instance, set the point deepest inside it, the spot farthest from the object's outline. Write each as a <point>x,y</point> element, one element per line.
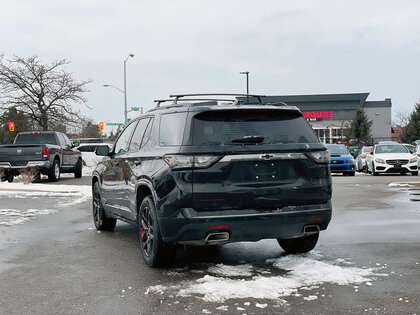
<point>391,149</point>
<point>367,149</point>
<point>337,149</point>
<point>37,138</point>
<point>242,126</point>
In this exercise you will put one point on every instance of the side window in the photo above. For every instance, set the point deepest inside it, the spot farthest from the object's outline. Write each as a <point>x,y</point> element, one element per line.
<point>171,128</point>
<point>138,134</point>
<point>61,139</point>
<point>67,140</point>
<point>147,133</point>
<point>122,143</point>
<point>87,148</point>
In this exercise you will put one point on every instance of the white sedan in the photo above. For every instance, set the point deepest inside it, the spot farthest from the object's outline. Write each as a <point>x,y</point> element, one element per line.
<point>391,158</point>
<point>89,157</point>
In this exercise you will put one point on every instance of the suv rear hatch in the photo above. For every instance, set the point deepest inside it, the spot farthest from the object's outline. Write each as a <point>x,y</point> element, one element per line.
<point>256,159</point>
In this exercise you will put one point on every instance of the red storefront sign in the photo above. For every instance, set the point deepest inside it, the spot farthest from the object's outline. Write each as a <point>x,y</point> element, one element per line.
<point>318,114</point>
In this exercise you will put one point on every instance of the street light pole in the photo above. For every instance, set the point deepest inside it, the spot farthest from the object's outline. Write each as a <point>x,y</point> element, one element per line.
<point>125,88</point>
<point>247,80</point>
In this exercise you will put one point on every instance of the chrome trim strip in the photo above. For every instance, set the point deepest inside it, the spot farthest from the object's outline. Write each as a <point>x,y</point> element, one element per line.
<point>258,214</point>
<point>28,164</point>
<point>263,157</point>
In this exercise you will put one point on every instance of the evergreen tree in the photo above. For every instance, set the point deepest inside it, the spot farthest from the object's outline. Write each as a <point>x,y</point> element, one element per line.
<point>21,121</point>
<point>360,126</point>
<point>90,129</point>
<point>411,131</point>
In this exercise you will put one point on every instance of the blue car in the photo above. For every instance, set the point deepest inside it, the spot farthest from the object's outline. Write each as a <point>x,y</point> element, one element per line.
<point>341,159</point>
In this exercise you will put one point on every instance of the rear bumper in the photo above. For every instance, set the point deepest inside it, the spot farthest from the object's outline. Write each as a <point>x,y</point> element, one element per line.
<point>14,170</point>
<point>190,227</point>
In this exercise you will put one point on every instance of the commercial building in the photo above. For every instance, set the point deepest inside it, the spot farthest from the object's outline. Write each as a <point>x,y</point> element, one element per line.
<point>330,114</point>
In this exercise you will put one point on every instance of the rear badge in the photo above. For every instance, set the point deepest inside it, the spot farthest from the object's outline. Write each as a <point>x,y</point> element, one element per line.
<point>19,151</point>
<point>266,156</point>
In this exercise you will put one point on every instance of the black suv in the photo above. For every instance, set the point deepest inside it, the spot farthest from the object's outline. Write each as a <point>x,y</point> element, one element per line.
<point>206,170</point>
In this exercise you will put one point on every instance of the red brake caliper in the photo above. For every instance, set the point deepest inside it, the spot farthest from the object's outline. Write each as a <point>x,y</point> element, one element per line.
<point>141,232</point>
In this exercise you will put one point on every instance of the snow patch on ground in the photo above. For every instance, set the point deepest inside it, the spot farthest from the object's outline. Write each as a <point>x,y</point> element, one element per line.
<point>400,185</point>
<point>307,271</point>
<point>67,195</point>
<point>15,217</point>
<point>233,271</point>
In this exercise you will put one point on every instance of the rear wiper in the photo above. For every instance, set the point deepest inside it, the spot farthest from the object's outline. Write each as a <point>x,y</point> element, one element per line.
<point>249,139</point>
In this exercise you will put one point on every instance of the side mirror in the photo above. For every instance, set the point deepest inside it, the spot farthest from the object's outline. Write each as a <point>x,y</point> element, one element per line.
<point>102,150</point>
<point>352,153</point>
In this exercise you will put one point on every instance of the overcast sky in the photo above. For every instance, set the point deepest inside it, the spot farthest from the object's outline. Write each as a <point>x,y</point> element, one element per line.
<point>289,47</point>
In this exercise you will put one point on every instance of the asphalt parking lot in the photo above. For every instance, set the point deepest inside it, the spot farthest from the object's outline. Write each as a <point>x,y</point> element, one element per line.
<point>367,262</point>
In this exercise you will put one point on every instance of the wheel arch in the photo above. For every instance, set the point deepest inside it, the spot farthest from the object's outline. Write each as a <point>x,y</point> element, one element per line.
<point>143,190</point>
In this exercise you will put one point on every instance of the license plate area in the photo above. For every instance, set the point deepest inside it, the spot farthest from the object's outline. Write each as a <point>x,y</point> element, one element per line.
<point>265,171</point>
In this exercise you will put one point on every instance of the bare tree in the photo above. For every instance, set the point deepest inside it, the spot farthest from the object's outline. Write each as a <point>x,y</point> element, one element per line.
<point>45,93</point>
<point>402,117</point>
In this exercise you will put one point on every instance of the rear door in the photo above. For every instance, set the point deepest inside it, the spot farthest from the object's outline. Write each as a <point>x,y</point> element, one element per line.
<point>260,161</point>
<point>114,178</point>
<point>67,153</point>
<point>131,166</point>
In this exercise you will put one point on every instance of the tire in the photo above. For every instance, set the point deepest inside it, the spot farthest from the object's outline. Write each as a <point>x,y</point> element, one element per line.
<point>154,250</point>
<point>373,170</point>
<point>78,169</point>
<point>102,223</point>
<point>10,177</point>
<point>415,173</point>
<point>54,172</point>
<point>299,245</point>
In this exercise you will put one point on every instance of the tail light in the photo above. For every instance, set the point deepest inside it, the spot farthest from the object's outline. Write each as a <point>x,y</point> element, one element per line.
<point>45,153</point>
<point>418,154</point>
<point>321,156</point>
<point>177,162</point>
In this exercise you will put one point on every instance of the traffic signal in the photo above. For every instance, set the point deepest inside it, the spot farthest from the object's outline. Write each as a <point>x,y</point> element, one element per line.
<point>101,125</point>
<point>11,126</point>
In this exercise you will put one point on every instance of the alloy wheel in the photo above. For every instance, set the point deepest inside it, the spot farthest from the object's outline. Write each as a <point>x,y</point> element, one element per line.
<point>147,231</point>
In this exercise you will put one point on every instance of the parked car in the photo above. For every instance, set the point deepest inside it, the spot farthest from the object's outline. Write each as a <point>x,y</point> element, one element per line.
<point>418,155</point>
<point>77,142</point>
<point>341,159</point>
<point>89,158</point>
<point>391,157</point>
<point>360,160</point>
<point>411,148</point>
<point>50,152</point>
<point>203,174</point>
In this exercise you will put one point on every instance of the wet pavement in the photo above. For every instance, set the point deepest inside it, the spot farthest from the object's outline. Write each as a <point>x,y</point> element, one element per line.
<point>367,262</point>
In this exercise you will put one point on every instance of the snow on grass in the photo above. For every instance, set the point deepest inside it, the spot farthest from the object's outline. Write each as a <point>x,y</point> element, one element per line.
<point>301,271</point>
<point>15,217</point>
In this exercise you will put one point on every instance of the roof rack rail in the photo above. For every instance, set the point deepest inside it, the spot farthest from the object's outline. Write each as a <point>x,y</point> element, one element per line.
<point>178,96</point>
<point>197,97</point>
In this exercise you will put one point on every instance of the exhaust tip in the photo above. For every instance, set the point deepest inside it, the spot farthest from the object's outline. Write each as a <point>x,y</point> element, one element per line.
<point>310,229</point>
<point>214,238</point>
